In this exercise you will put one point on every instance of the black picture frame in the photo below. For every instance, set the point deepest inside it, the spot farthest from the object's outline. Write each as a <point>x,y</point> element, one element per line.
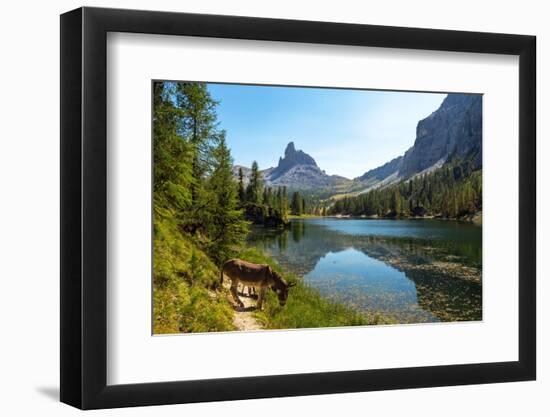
<point>84,207</point>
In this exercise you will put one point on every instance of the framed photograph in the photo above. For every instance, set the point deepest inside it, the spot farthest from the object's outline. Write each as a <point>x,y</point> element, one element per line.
<point>258,208</point>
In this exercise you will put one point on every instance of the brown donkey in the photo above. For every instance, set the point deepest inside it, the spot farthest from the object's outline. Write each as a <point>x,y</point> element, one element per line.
<point>258,276</point>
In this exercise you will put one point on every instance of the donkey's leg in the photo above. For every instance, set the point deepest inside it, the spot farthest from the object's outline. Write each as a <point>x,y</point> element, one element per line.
<point>251,291</point>
<point>261,299</point>
<point>235,294</point>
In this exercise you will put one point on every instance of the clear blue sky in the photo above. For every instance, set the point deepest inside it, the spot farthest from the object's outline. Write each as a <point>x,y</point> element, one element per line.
<point>347,132</point>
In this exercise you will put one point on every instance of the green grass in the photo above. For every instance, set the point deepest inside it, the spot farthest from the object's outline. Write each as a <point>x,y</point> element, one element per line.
<point>186,297</point>
<point>305,307</point>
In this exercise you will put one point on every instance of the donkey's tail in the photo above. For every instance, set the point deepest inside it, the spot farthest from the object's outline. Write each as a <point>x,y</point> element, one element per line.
<point>221,274</point>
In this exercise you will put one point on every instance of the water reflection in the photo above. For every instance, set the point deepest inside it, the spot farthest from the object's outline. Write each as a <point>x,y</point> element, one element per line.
<point>428,271</point>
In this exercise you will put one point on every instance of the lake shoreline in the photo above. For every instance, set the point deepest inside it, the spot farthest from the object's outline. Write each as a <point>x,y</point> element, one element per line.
<point>475,218</point>
<point>344,259</point>
<point>306,306</point>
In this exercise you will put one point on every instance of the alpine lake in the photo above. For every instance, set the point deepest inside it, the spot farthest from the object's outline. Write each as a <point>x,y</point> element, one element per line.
<point>414,270</point>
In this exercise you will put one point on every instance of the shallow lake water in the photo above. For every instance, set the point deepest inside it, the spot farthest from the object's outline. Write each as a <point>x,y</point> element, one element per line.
<point>412,270</point>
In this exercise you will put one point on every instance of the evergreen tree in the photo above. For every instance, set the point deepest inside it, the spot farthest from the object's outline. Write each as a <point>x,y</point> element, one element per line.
<point>282,201</point>
<point>255,185</point>
<point>285,201</point>
<point>449,191</point>
<point>241,190</point>
<point>297,204</point>
<point>172,172</point>
<point>227,229</point>
<point>396,201</point>
<point>198,126</point>
<point>279,198</point>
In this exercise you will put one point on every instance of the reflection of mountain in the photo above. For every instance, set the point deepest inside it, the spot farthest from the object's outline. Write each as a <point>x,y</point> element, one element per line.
<point>446,285</point>
<point>297,249</point>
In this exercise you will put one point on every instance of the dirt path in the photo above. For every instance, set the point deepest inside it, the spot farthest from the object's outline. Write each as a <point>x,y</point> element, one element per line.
<point>244,319</point>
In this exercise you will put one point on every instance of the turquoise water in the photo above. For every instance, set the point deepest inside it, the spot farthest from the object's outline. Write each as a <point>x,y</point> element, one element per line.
<point>413,270</point>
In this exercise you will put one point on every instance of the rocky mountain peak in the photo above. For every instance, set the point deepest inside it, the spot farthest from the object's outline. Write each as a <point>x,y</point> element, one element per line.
<point>290,149</point>
<point>296,170</point>
<point>292,159</point>
<point>452,130</point>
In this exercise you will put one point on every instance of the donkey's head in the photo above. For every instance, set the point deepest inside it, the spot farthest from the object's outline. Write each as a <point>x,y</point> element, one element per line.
<point>281,287</point>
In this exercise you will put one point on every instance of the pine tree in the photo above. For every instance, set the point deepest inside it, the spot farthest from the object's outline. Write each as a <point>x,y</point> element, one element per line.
<point>449,191</point>
<point>283,201</point>
<point>198,126</point>
<point>269,197</point>
<point>255,185</point>
<point>172,171</point>
<point>297,204</point>
<point>227,229</point>
<point>241,191</point>
<point>396,202</point>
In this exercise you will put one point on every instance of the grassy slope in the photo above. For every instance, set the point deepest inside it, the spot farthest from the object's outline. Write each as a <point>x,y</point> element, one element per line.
<point>185,280</point>
<point>187,296</point>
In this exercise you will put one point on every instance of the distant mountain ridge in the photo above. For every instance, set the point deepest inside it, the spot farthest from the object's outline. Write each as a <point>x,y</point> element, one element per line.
<point>297,171</point>
<point>383,171</point>
<point>453,130</point>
